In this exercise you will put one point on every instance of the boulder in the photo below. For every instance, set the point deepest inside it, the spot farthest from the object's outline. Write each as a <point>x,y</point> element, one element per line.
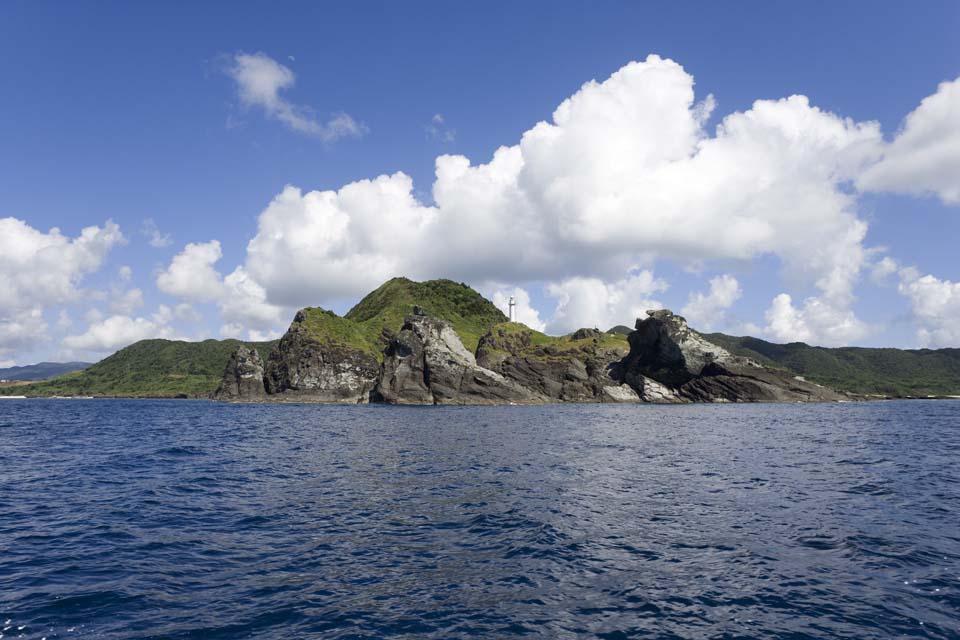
<point>426,363</point>
<point>310,368</point>
<point>242,377</point>
<point>670,362</point>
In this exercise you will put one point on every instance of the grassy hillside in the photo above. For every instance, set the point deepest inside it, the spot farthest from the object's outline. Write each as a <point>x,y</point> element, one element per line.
<point>898,372</point>
<point>382,312</point>
<point>523,340</point>
<point>149,368</point>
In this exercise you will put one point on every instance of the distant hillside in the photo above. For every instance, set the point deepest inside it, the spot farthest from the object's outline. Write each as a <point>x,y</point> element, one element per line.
<point>149,368</point>
<point>898,372</point>
<point>381,313</point>
<point>41,370</point>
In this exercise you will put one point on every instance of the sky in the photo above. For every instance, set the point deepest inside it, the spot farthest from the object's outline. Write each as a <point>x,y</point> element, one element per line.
<point>203,170</point>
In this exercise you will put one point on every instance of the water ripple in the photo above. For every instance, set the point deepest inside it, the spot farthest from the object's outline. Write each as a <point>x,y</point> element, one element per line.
<point>153,519</point>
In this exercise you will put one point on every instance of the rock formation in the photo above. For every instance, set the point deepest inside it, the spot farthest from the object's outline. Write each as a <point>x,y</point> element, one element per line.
<point>243,377</point>
<point>578,369</point>
<point>305,368</point>
<point>669,362</point>
<point>426,363</point>
<point>325,358</point>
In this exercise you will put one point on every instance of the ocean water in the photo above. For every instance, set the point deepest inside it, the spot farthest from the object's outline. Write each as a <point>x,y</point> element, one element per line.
<point>181,519</point>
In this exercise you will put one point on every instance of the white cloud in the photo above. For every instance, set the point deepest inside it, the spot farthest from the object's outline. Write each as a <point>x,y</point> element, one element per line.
<point>242,301</point>
<point>260,79</point>
<point>41,270</point>
<point>591,302</point>
<point>706,311</point>
<point>187,313</point>
<point>817,322</point>
<point>936,308</point>
<point>522,310</point>
<point>118,331</point>
<point>883,269</point>
<point>438,130</point>
<point>126,302</point>
<point>21,330</point>
<point>924,158</point>
<point>155,238</point>
<point>64,321</point>
<point>625,174</point>
<point>125,273</point>
<point>191,275</point>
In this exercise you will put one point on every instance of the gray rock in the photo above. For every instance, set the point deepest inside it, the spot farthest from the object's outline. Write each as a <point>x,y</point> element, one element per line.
<point>579,372</point>
<point>670,362</point>
<point>426,363</point>
<point>305,368</point>
<point>242,377</point>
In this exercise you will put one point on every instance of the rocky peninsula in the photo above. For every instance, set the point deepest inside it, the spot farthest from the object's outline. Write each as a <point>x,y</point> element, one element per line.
<point>424,359</point>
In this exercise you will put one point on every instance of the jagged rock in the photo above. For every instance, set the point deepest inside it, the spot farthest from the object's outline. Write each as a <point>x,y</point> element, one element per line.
<point>426,363</point>
<point>669,362</point>
<point>578,372</point>
<point>305,368</point>
<point>242,377</point>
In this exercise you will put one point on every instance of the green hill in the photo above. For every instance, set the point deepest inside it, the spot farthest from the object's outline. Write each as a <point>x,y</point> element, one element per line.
<point>41,370</point>
<point>149,368</point>
<point>380,314</point>
<point>896,372</point>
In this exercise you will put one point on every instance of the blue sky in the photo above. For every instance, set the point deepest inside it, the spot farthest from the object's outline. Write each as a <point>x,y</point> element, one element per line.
<point>135,111</point>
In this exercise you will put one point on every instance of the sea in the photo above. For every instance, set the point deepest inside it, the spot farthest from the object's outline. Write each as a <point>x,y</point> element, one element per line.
<point>193,519</point>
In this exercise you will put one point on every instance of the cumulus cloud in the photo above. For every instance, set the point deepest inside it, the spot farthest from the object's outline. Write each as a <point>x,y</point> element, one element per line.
<point>522,310</point>
<point>623,175</point>
<point>155,238</point>
<point>817,321</point>
<point>924,157</point>
<point>40,270</point>
<point>936,308</point>
<point>117,331</point>
<point>191,276</point>
<point>707,311</point>
<point>260,79</point>
<point>591,302</point>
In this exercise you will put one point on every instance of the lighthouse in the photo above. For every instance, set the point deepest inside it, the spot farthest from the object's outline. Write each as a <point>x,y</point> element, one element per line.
<point>510,306</point>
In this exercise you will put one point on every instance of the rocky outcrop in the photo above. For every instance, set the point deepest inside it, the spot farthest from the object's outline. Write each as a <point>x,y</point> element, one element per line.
<point>670,362</point>
<point>243,377</point>
<point>426,363</point>
<point>577,369</point>
<point>305,368</point>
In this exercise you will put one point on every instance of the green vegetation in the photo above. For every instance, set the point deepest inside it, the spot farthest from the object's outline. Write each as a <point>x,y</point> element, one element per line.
<point>895,372</point>
<point>382,312</point>
<point>514,337</point>
<point>148,369</point>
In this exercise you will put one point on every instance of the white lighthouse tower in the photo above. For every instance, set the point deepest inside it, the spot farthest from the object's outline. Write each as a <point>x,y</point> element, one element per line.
<point>510,306</point>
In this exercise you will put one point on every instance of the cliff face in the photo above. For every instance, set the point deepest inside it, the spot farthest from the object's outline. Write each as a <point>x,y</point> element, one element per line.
<point>426,363</point>
<point>669,362</point>
<point>304,367</point>
<point>243,377</point>
<point>327,358</point>
<point>579,368</point>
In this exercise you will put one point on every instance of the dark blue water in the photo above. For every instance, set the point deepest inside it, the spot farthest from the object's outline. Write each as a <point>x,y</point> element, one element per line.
<point>178,519</point>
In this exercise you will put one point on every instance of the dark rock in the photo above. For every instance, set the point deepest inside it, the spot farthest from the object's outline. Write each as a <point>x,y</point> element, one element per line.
<point>243,377</point>
<point>581,372</point>
<point>670,362</point>
<point>426,363</point>
<point>303,367</point>
<point>585,334</point>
